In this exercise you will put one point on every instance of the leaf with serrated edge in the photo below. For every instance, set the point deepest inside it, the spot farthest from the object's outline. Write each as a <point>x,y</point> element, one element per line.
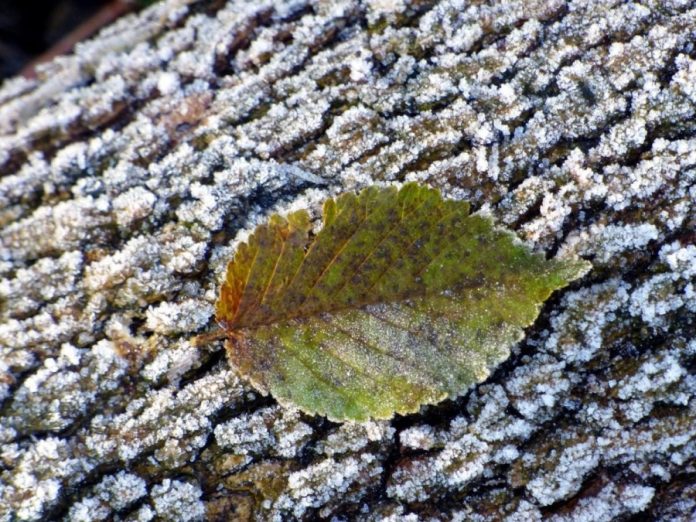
<point>402,299</point>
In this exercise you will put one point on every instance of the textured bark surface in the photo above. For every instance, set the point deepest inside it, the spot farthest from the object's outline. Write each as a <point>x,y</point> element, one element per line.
<point>131,168</point>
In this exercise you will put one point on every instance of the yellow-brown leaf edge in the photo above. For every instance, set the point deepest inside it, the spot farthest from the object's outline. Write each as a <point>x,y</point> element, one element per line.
<point>401,299</point>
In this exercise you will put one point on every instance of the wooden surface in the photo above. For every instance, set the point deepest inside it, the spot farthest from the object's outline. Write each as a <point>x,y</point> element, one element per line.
<point>131,168</point>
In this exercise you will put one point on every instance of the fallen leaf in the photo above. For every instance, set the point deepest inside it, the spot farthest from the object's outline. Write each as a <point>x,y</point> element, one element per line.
<point>401,299</point>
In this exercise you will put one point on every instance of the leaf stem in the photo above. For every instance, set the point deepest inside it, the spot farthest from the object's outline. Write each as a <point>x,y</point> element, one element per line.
<point>209,337</point>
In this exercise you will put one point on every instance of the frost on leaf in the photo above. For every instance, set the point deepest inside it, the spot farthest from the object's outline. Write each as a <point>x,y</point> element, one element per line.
<point>402,299</point>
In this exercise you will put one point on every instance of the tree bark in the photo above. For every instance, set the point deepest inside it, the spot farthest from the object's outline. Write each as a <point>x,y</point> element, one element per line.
<point>131,168</point>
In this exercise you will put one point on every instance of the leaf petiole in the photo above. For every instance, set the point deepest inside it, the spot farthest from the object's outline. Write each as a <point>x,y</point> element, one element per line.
<point>209,337</point>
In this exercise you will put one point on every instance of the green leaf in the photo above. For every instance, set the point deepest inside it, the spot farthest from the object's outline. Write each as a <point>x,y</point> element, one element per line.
<point>402,299</point>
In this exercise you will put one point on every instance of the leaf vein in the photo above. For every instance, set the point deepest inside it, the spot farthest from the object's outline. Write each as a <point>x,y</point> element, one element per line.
<point>275,269</point>
<point>375,348</point>
<point>381,275</point>
<point>333,259</point>
<point>382,239</point>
